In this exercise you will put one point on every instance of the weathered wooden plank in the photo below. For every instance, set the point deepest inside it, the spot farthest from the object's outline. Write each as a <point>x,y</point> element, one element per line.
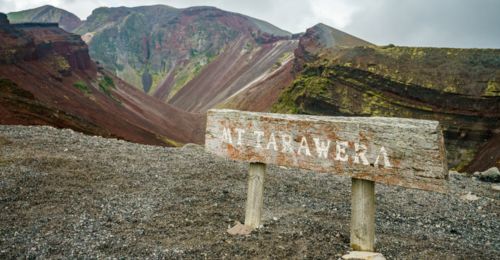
<point>395,151</point>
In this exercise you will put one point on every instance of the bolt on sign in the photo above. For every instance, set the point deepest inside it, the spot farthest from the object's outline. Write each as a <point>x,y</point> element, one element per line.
<point>393,151</point>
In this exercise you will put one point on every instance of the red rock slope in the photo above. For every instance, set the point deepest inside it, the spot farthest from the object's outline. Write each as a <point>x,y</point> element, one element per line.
<point>232,72</point>
<point>47,77</point>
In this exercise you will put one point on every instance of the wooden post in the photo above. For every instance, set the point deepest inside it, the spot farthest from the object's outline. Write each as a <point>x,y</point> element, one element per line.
<point>363,215</point>
<point>255,196</point>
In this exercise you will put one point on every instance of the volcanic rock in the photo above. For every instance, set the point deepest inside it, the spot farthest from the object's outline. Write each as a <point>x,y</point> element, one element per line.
<point>490,175</point>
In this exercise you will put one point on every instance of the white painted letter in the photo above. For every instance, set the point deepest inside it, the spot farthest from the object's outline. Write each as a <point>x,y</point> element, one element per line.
<point>240,133</point>
<point>322,147</point>
<point>387,164</point>
<point>360,153</point>
<point>287,143</point>
<point>340,151</point>
<point>305,146</point>
<point>226,135</point>
<point>272,141</point>
<point>258,135</point>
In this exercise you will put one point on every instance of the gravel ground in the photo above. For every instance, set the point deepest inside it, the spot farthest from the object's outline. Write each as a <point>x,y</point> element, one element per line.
<point>66,195</point>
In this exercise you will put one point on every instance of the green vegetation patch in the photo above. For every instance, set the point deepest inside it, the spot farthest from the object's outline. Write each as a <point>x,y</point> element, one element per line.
<point>82,86</point>
<point>303,86</point>
<point>106,84</point>
<point>18,17</point>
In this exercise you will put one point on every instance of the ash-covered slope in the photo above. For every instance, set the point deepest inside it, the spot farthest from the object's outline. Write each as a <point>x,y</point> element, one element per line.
<point>46,14</point>
<point>232,72</point>
<point>47,77</point>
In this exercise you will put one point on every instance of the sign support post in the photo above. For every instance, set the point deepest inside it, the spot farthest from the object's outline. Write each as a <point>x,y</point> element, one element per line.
<point>363,215</point>
<point>255,194</point>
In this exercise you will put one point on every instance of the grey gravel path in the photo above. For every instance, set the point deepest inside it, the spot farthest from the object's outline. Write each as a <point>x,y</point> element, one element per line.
<point>65,195</point>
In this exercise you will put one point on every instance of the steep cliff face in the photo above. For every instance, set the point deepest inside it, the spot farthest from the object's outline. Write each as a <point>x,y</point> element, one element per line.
<point>160,49</point>
<point>48,78</point>
<point>47,14</point>
<point>458,87</point>
<point>53,43</point>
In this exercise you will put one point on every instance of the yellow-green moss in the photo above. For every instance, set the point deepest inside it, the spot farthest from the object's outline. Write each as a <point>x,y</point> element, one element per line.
<point>169,141</point>
<point>466,156</point>
<point>311,86</point>
<point>60,63</point>
<point>492,89</point>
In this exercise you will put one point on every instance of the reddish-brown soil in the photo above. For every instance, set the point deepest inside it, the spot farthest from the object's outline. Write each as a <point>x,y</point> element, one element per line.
<point>261,95</point>
<point>232,71</point>
<point>487,156</point>
<point>38,88</point>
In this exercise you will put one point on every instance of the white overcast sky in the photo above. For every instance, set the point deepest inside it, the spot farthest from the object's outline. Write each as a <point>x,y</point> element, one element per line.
<point>439,23</point>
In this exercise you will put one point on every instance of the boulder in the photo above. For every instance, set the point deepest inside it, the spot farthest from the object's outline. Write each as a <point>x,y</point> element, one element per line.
<point>490,175</point>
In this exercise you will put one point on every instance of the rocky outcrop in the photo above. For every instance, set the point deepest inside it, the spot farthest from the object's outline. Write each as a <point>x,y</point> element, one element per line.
<point>321,38</point>
<point>31,41</point>
<point>453,86</point>
<point>15,45</point>
<point>51,40</point>
<point>490,175</point>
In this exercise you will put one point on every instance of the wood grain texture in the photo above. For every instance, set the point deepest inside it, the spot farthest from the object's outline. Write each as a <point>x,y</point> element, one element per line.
<point>394,151</point>
<point>255,194</point>
<point>363,215</point>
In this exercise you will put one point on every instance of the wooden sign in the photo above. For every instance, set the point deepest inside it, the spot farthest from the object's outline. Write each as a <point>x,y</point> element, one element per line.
<point>395,151</point>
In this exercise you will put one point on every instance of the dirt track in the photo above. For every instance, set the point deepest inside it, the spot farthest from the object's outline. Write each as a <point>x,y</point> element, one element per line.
<point>64,194</point>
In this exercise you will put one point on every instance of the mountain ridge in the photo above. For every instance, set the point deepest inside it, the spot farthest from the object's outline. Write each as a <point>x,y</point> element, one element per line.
<point>175,46</point>
<point>46,13</point>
